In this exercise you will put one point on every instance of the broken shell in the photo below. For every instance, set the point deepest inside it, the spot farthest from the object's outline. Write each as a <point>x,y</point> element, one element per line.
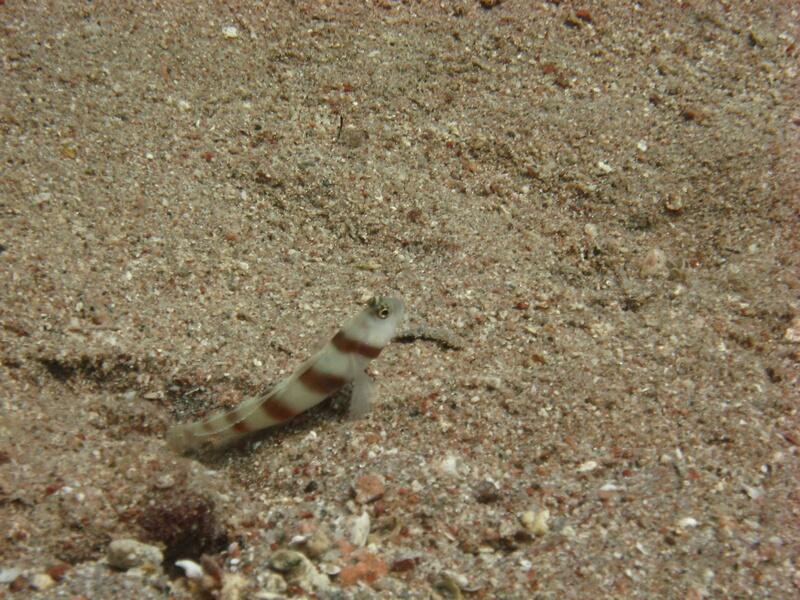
<point>288,561</point>
<point>447,587</point>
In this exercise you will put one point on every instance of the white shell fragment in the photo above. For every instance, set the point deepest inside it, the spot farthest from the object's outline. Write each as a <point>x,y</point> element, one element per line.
<point>190,568</point>
<point>359,531</point>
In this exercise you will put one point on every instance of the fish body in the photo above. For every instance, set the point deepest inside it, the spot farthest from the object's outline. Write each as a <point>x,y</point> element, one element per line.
<point>342,360</point>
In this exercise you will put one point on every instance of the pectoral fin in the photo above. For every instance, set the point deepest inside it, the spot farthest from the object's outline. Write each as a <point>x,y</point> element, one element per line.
<point>361,399</point>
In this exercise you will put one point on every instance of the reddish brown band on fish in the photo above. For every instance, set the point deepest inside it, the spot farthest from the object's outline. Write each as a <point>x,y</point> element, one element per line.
<point>237,421</point>
<point>324,383</point>
<point>277,410</point>
<point>349,346</point>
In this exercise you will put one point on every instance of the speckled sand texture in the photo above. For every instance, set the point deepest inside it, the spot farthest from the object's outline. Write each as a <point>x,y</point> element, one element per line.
<point>591,208</point>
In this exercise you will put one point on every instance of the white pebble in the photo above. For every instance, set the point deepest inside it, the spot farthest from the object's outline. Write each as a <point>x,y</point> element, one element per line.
<point>449,465</point>
<point>588,466</point>
<point>230,32</point>
<point>536,522</point>
<point>688,523</point>
<point>605,167</point>
<point>42,581</point>
<point>610,487</point>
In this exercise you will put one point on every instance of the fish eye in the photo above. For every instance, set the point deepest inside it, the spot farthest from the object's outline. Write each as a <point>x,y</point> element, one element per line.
<point>379,306</point>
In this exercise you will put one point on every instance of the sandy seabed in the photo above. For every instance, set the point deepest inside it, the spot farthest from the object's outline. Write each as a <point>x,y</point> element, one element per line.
<point>591,208</point>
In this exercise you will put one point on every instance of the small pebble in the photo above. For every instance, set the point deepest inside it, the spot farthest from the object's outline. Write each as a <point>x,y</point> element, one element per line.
<point>165,481</point>
<point>127,553</point>
<point>486,492</point>
<point>674,204</point>
<point>230,32</point>
<point>588,466</point>
<point>604,167</point>
<point>792,333</point>
<point>318,543</point>
<point>688,523</point>
<point>654,263</point>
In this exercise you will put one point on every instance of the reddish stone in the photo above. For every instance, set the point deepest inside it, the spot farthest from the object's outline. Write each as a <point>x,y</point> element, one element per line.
<point>19,584</point>
<point>369,488</point>
<point>368,568</point>
<point>403,565</point>
<point>57,571</point>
